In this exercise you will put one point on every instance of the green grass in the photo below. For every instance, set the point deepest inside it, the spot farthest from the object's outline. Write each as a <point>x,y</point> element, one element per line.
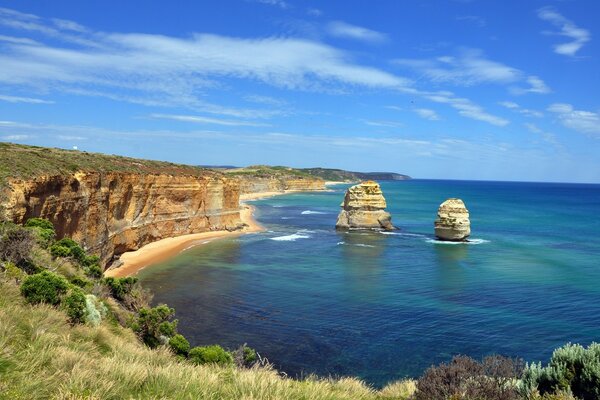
<point>20,161</point>
<point>270,171</point>
<point>42,356</point>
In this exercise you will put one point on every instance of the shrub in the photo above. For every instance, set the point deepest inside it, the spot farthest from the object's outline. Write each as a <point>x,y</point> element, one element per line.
<point>179,345</point>
<point>15,243</point>
<point>41,223</point>
<point>464,378</point>
<point>95,310</point>
<point>572,368</point>
<point>244,356</point>
<point>59,251</point>
<point>13,272</point>
<point>44,229</point>
<point>119,287</point>
<point>153,325</point>
<point>91,260</point>
<point>94,271</point>
<point>44,287</point>
<point>80,282</point>
<point>75,305</point>
<point>214,354</point>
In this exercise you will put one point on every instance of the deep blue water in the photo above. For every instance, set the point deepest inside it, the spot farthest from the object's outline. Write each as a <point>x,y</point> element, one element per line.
<point>385,306</point>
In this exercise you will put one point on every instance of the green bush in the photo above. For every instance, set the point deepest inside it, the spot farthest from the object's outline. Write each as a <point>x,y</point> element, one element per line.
<point>44,229</point>
<point>179,345</point>
<point>244,356</point>
<point>13,272</point>
<point>59,251</point>
<point>80,282</point>
<point>572,368</point>
<point>214,354</point>
<point>120,287</point>
<point>94,271</point>
<point>44,287</point>
<point>91,260</point>
<point>154,326</point>
<point>75,305</point>
<point>41,223</point>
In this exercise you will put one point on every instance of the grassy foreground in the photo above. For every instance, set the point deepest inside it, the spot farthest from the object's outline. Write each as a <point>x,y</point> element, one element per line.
<point>43,356</point>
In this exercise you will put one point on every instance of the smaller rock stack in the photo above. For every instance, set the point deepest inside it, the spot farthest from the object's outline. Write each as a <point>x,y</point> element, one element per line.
<point>364,208</point>
<point>453,223</point>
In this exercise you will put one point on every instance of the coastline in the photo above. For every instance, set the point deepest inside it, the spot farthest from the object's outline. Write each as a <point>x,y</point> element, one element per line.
<point>161,250</point>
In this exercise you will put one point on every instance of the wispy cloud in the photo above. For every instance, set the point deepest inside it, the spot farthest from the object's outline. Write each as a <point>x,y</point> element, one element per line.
<point>205,120</point>
<point>427,113</point>
<point>348,31</point>
<point>546,136</point>
<point>16,99</point>
<point>314,12</point>
<point>578,36</point>
<point>587,122</point>
<point>465,107</point>
<point>469,67</point>
<point>383,124</point>
<point>14,138</point>
<point>473,19</point>
<point>277,3</point>
<point>517,108</point>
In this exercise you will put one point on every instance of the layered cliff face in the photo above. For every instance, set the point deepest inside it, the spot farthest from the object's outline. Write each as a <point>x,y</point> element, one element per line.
<point>453,222</point>
<point>255,184</point>
<point>110,213</point>
<point>364,208</point>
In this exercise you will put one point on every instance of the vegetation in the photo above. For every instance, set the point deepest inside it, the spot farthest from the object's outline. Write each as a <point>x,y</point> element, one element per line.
<point>267,171</point>
<point>66,334</point>
<point>20,161</point>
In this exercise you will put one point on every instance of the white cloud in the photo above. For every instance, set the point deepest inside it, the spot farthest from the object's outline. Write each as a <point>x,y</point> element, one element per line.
<point>578,36</point>
<point>427,113</point>
<point>383,124</point>
<point>465,107</point>
<point>547,137</point>
<point>16,99</point>
<point>536,85</point>
<point>517,108</point>
<point>587,122</point>
<point>344,30</point>
<point>15,138</point>
<point>277,3</point>
<point>469,68</point>
<point>205,120</point>
<point>268,100</point>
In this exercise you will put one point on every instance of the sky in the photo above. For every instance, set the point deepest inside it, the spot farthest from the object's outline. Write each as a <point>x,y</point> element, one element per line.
<point>456,89</point>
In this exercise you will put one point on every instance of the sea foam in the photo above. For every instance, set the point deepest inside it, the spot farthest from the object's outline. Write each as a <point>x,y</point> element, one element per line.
<point>309,212</point>
<point>291,238</point>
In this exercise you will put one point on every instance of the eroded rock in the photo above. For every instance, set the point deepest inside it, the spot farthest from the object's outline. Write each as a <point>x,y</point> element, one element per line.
<point>453,222</point>
<point>364,208</point>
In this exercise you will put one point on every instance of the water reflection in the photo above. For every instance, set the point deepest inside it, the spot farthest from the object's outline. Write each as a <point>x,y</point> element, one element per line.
<point>450,269</point>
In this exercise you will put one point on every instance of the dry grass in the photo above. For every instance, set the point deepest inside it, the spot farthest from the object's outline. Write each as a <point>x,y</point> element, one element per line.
<point>42,356</point>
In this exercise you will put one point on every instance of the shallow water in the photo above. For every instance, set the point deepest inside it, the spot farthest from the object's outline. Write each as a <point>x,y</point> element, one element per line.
<point>387,305</point>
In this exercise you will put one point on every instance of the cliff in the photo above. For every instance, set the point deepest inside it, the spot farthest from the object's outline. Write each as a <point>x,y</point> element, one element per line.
<point>110,213</point>
<point>111,204</point>
<point>364,208</point>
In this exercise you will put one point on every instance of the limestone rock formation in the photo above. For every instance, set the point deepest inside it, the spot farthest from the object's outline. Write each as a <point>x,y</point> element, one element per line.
<point>110,213</point>
<point>364,208</point>
<point>453,223</point>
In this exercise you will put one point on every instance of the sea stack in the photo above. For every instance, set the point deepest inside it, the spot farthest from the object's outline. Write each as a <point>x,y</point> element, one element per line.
<point>452,221</point>
<point>364,208</point>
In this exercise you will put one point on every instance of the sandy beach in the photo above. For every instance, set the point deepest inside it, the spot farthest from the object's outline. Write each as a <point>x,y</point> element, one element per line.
<point>161,250</point>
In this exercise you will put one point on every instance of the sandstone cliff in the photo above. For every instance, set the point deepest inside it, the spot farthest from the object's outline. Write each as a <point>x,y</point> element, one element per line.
<point>257,184</point>
<point>453,222</point>
<point>113,212</point>
<point>364,208</point>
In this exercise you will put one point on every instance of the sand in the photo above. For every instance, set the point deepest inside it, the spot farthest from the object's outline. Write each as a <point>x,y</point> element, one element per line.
<point>162,250</point>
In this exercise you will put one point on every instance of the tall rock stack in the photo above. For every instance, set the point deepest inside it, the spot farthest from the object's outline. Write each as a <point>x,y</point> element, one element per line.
<point>364,208</point>
<point>453,222</point>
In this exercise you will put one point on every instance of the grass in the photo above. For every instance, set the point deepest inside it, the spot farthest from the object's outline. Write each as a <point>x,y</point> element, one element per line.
<point>20,161</point>
<point>42,356</point>
<point>270,171</point>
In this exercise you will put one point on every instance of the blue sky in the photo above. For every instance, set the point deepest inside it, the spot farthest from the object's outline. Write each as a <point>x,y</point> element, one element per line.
<point>498,90</point>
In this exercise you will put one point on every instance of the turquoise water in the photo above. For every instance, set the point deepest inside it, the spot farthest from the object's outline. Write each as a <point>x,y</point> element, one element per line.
<point>385,306</point>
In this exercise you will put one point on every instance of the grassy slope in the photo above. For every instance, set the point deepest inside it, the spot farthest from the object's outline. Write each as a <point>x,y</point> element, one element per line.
<point>42,356</point>
<point>21,161</point>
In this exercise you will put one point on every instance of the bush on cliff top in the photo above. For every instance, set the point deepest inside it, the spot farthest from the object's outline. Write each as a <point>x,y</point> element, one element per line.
<point>45,287</point>
<point>214,354</point>
<point>154,326</point>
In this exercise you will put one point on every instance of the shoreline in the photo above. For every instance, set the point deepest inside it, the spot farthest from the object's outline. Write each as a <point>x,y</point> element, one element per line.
<point>162,250</point>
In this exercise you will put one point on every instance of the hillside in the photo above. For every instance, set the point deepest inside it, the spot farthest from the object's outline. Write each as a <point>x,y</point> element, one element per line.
<point>339,175</point>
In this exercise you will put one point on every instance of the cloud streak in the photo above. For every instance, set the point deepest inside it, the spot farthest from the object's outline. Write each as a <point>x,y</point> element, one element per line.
<point>344,30</point>
<point>578,36</point>
<point>586,122</point>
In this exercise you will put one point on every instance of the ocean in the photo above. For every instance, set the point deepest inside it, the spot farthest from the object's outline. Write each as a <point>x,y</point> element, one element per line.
<point>387,305</point>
